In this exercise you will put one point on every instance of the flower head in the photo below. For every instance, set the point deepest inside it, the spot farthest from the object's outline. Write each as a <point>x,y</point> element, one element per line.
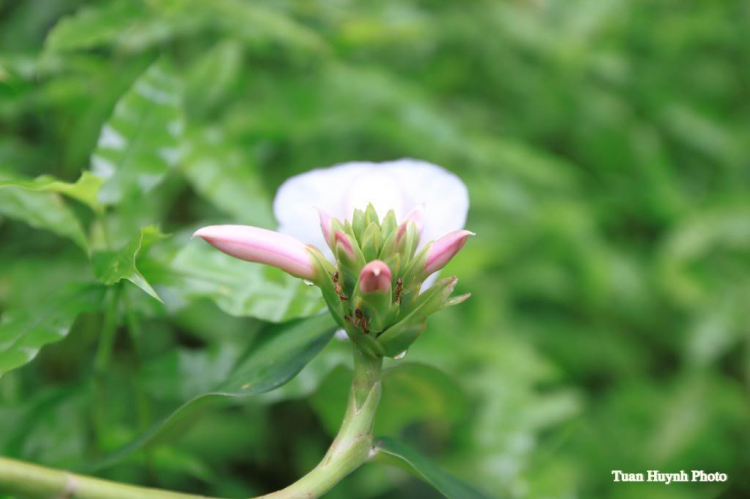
<point>386,230</point>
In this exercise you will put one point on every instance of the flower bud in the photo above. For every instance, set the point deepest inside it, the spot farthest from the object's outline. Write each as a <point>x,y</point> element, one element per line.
<point>254,244</point>
<point>325,225</point>
<point>415,217</point>
<point>442,250</point>
<point>343,245</point>
<point>375,276</point>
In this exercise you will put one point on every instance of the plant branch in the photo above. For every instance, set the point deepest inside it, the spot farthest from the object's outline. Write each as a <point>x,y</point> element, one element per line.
<point>30,480</point>
<point>350,449</point>
<point>353,444</point>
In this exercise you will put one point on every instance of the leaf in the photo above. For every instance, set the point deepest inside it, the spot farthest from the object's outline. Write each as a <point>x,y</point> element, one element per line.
<point>37,435</point>
<point>239,288</point>
<point>213,78</point>
<point>93,26</point>
<point>411,392</point>
<point>110,267</point>
<point>223,174</point>
<point>41,210</point>
<point>140,142</point>
<point>85,189</point>
<point>448,485</point>
<point>280,355</point>
<point>241,20</point>
<point>23,332</point>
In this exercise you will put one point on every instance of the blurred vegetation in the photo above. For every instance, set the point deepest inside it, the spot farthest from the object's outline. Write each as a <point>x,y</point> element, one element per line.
<point>606,146</point>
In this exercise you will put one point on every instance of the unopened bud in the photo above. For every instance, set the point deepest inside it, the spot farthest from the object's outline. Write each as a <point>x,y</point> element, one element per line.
<point>375,276</point>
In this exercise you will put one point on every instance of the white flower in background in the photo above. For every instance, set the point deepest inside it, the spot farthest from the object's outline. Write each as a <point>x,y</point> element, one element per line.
<point>401,186</point>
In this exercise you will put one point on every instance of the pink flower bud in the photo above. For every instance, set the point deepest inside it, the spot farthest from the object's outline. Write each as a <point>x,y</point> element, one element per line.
<point>325,225</point>
<point>342,241</point>
<point>444,249</point>
<point>416,216</point>
<point>375,276</point>
<point>262,246</point>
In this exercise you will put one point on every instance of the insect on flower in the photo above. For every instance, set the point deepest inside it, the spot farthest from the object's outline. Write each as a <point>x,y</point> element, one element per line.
<point>372,237</point>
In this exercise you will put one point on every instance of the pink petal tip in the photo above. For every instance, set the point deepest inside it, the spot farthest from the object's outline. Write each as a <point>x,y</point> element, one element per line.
<point>444,249</point>
<point>254,244</point>
<point>375,276</point>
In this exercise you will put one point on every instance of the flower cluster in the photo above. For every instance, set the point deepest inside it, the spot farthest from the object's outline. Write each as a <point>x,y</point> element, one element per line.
<point>373,277</point>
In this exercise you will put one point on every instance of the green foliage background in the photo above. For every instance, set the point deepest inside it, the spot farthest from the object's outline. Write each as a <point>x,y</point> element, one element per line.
<point>606,146</point>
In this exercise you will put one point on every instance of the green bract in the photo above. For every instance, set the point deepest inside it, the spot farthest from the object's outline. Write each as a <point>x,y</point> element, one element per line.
<point>383,322</point>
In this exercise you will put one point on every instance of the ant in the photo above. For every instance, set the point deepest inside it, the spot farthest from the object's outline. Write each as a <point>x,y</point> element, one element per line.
<point>337,287</point>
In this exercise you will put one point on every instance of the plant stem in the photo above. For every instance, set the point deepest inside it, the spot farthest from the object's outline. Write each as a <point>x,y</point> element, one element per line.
<point>350,449</point>
<point>30,480</point>
<point>353,444</point>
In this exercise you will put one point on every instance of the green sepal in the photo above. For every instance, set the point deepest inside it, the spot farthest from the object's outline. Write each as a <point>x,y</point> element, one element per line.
<point>371,215</point>
<point>349,265</point>
<point>371,242</point>
<point>407,244</point>
<point>394,263</point>
<point>358,224</point>
<point>388,225</point>
<point>401,339</point>
<point>324,280</point>
<point>399,336</point>
<point>412,276</point>
<point>376,307</point>
<point>366,342</point>
<point>388,251</point>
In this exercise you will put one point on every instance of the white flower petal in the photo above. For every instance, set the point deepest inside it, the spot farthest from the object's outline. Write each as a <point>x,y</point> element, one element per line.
<point>443,194</point>
<point>299,197</point>
<point>398,185</point>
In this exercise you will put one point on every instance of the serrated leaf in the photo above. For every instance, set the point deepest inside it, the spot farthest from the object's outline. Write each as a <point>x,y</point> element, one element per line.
<point>282,352</point>
<point>23,332</point>
<point>111,267</point>
<point>41,210</point>
<point>85,189</point>
<point>445,483</point>
<point>198,271</point>
<point>140,142</point>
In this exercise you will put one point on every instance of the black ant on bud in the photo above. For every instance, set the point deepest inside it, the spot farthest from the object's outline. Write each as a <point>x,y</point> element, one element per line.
<point>337,287</point>
<point>362,321</point>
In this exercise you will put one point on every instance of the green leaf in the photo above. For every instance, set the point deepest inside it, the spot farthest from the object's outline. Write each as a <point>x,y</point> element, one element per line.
<point>140,142</point>
<point>23,332</point>
<point>247,21</point>
<point>110,267</point>
<point>213,78</point>
<point>239,288</point>
<point>280,355</point>
<point>411,392</point>
<point>37,435</point>
<point>85,189</point>
<point>93,26</point>
<point>448,485</point>
<point>41,210</point>
<point>222,173</point>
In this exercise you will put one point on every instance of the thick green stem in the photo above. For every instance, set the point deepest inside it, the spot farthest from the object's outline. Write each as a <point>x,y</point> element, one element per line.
<point>350,449</point>
<point>30,480</point>
<point>353,444</point>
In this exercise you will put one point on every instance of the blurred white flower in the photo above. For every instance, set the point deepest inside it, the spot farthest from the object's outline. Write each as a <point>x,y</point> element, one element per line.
<point>400,186</point>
